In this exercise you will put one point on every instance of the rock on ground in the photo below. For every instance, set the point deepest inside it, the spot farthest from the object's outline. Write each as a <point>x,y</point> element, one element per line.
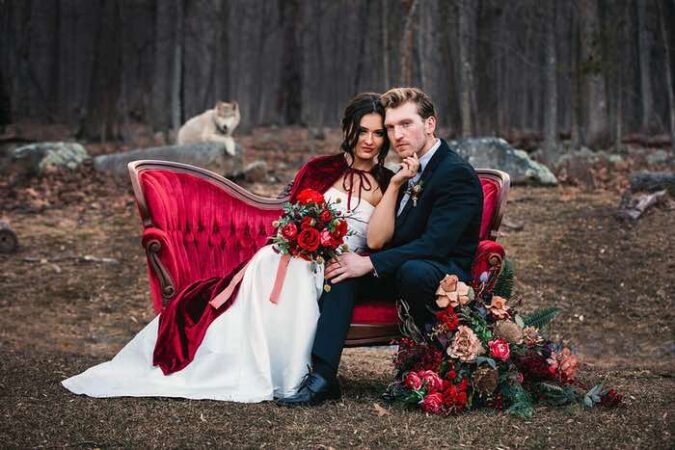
<point>496,153</point>
<point>208,155</point>
<point>36,159</point>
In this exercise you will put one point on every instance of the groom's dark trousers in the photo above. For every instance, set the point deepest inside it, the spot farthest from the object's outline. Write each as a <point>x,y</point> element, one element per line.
<point>434,236</point>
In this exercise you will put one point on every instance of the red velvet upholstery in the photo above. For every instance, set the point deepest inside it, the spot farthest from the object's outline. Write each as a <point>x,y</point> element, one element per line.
<point>204,228</point>
<point>206,231</point>
<point>490,205</point>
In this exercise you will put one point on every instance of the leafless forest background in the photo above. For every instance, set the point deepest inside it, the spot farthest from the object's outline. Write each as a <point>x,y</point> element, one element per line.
<point>591,71</point>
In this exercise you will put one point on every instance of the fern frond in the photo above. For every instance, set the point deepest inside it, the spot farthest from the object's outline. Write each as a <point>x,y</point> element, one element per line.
<point>541,317</point>
<point>504,285</point>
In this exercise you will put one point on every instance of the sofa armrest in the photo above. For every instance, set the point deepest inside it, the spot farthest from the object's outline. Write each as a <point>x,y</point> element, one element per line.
<point>487,265</point>
<point>161,266</point>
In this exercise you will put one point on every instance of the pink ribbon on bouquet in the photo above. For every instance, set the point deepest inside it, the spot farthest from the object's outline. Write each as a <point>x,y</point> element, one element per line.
<point>220,299</point>
<point>226,293</point>
<point>280,277</point>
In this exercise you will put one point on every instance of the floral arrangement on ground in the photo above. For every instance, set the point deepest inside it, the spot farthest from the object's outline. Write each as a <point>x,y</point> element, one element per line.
<point>480,352</point>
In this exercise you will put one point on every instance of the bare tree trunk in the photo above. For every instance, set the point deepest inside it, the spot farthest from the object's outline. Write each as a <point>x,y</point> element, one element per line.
<point>596,120</point>
<point>177,79</point>
<point>290,99</point>
<point>385,43</point>
<point>405,54</point>
<point>575,83</point>
<point>645,65</point>
<point>466,16</point>
<point>551,109</point>
<point>669,76</point>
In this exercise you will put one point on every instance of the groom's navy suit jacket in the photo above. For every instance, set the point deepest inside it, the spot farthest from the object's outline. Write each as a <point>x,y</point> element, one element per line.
<point>443,228</point>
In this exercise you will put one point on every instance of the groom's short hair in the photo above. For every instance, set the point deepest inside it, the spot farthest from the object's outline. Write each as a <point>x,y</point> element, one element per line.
<point>396,97</point>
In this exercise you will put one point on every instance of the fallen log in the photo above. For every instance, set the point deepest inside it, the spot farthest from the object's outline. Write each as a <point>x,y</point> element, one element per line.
<point>9,243</point>
<point>635,207</point>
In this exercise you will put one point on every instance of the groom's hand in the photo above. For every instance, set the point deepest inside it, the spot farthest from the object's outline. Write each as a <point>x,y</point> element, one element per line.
<point>347,265</point>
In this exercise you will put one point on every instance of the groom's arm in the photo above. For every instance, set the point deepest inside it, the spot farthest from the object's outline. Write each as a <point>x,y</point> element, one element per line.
<point>455,205</point>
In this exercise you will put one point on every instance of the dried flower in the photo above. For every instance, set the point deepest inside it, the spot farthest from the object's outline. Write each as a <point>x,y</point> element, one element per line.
<point>509,331</point>
<point>465,345</point>
<point>532,337</point>
<point>564,363</point>
<point>452,292</point>
<point>485,380</point>
<point>498,307</point>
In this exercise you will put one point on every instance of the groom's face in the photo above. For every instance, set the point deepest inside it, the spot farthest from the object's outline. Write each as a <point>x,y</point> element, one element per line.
<point>407,131</point>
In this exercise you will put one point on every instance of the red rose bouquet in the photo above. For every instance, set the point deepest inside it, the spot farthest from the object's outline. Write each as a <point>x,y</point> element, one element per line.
<point>311,229</point>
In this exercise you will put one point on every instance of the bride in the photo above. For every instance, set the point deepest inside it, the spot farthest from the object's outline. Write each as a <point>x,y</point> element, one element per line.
<point>256,350</point>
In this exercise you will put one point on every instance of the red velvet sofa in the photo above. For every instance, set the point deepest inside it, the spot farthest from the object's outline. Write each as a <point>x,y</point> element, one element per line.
<point>197,224</point>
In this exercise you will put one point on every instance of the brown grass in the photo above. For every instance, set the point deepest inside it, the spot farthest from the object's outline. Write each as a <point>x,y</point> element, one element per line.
<point>59,316</point>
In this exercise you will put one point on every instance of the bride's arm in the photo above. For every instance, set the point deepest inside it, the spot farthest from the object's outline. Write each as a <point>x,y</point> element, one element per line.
<point>381,224</point>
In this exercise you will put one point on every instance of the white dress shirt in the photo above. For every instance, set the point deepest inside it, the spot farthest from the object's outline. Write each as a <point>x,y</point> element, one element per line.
<point>424,160</point>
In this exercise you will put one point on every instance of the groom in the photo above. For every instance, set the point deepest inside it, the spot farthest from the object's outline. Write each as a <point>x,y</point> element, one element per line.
<point>436,233</point>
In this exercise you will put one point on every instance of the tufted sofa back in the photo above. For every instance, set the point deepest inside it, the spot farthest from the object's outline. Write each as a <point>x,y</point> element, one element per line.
<point>205,225</point>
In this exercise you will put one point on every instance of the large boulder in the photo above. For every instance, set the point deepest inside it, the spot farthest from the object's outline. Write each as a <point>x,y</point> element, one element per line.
<point>209,155</point>
<point>36,159</point>
<point>496,153</point>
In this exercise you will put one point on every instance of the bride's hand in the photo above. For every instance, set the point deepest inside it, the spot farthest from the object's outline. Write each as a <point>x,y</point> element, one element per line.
<point>409,168</point>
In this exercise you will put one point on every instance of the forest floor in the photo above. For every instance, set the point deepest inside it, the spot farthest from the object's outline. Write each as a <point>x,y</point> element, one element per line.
<point>61,312</point>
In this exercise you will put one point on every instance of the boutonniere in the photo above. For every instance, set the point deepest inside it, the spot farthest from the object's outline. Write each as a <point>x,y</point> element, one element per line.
<point>414,191</point>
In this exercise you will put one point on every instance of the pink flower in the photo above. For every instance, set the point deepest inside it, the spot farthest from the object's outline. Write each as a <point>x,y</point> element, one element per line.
<point>326,238</point>
<point>431,380</point>
<point>465,345</point>
<point>413,381</point>
<point>433,403</point>
<point>499,349</point>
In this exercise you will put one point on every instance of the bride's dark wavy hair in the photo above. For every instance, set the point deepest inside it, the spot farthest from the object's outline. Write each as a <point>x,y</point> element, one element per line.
<point>359,106</point>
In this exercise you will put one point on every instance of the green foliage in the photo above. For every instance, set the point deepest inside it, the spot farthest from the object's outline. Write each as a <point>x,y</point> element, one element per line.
<point>541,317</point>
<point>518,399</point>
<point>556,395</point>
<point>477,323</point>
<point>504,285</point>
<point>594,395</point>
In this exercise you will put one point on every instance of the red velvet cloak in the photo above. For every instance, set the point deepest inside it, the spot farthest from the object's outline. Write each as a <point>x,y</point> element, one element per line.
<point>184,321</point>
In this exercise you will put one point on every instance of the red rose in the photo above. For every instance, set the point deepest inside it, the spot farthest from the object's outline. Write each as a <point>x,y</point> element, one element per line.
<point>308,239</point>
<point>499,349</point>
<point>326,239</point>
<point>451,375</point>
<point>289,231</point>
<point>340,229</point>
<point>448,318</point>
<point>431,380</point>
<point>412,381</point>
<point>325,216</point>
<point>308,196</point>
<point>307,222</point>
<point>433,403</point>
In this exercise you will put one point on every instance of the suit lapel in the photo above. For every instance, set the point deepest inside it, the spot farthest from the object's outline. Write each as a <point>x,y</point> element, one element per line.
<point>439,156</point>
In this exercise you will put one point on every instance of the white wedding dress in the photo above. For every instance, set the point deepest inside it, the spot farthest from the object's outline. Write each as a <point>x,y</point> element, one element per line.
<point>254,351</point>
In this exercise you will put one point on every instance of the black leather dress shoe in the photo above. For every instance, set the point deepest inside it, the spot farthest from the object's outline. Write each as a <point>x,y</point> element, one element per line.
<point>313,390</point>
